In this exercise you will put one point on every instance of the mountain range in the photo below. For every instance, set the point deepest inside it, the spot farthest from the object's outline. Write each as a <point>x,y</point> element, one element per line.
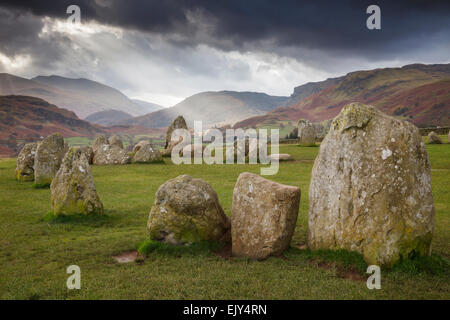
<point>418,93</point>
<point>212,108</point>
<point>31,108</point>
<point>82,96</point>
<point>24,118</point>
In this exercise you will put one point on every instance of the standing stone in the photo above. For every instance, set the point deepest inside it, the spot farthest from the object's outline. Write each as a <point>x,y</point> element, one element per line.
<point>88,152</point>
<point>25,162</point>
<point>263,218</point>
<point>139,145</point>
<point>73,190</point>
<point>115,141</point>
<point>434,138</point>
<point>448,138</point>
<point>370,188</point>
<point>147,154</point>
<point>107,154</point>
<point>178,123</point>
<point>187,210</point>
<point>306,133</point>
<point>48,158</point>
<point>99,141</point>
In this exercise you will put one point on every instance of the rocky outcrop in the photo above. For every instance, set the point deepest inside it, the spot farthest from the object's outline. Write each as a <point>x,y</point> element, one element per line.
<point>306,133</point>
<point>370,188</point>
<point>187,210</point>
<point>147,154</point>
<point>48,158</point>
<point>263,218</point>
<point>73,190</point>
<point>25,162</point>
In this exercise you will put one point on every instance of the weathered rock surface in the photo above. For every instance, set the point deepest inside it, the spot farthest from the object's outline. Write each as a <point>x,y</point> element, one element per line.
<point>89,153</point>
<point>25,162</point>
<point>99,141</point>
<point>48,158</point>
<point>263,218</point>
<point>147,154</point>
<point>115,141</point>
<point>178,123</point>
<point>139,145</point>
<point>434,138</point>
<point>370,188</point>
<point>107,154</point>
<point>306,133</point>
<point>73,190</point>
<point>187,210</point>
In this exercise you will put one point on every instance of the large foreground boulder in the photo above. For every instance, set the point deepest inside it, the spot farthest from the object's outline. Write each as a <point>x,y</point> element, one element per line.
<point>73,190</point>
<point>25,162</point>
<point>147,154</point>
<point>370,188</point>
<point>178,123</point>
<point>108,154</point>
<point>48,158</point>
<point>187,210</point>
<point>306,133</point>
<point>263,218</point>
<point>434,138</point>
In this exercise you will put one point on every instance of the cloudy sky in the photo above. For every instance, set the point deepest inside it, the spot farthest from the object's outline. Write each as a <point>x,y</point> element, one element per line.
<point>165,51</point>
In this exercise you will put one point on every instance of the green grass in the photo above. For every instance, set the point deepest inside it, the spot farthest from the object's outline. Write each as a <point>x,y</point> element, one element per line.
<point>36,248</point>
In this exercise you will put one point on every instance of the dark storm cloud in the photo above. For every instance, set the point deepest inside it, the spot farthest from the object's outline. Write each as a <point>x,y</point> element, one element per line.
<point>234,25</point>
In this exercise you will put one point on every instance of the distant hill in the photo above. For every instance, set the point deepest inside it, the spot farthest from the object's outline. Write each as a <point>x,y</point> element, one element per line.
<point>82,96</point>
<point>108,117</point>
<point>148,107</point>
<point>24,118</point>
<point>417,93</point>
<point>223,107</point>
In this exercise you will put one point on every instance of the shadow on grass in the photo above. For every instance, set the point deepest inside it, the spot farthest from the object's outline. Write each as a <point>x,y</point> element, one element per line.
<point>79,219</point>
<point>341,258</point>
<point>353,261</point>
<point>432,265</point>
<point>199,248</point>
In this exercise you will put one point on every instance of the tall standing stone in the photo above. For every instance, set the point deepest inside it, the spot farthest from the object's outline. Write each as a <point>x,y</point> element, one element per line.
<point>48,158</point>
<point>263,218</point>
<point>73,190</point>
<point>370,188</point>
<point>178,123</point>
<point>25,162</point>
<point>306,133</point>
<point>187,210</point>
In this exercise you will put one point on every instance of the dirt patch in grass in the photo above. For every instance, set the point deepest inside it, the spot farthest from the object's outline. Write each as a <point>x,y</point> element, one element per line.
<point>127,256</point>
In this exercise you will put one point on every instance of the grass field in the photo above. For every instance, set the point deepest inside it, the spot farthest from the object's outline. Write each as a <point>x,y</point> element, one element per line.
<point>35,252</point>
